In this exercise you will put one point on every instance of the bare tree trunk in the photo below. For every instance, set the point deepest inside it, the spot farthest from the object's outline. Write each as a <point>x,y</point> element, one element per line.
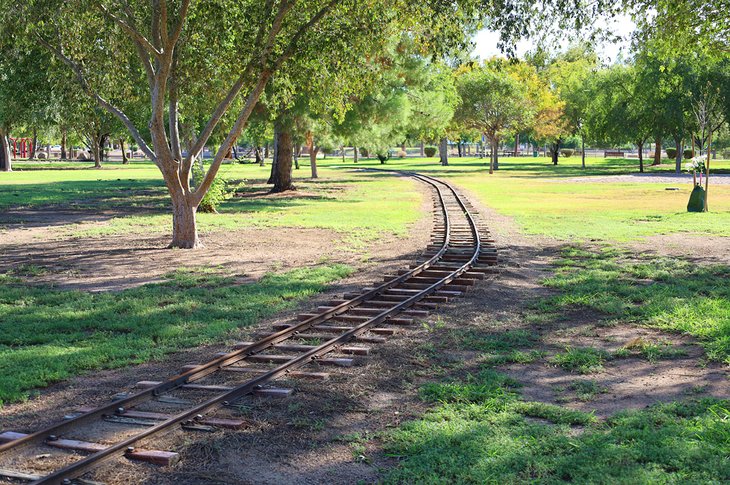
<point>583,152</point>
<point>266,150</point>
<point>64,141</point>
<point>517,145</point>
<point>459,149</point>
<point>555,152</point>
<point>640,144</point>
<point>679,144</point>
<point>657,151</point>
<point>355,154</point>
<point>6,164</point>
<point>313,160</point>
<point>184,224</point>
<point>125,160</point>
<point>444,151</point>
<point>496,154</point>
<point>34,142</point>
<point>94,145</point>
<point>313,150</point>
<point>259,158</point>
<point>283,161</point>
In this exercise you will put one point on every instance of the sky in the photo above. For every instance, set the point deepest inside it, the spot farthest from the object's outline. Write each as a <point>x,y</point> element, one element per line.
<point>486,41</point>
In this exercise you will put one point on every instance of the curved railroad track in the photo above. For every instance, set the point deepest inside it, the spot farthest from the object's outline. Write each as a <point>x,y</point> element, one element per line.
<point>460,253</point>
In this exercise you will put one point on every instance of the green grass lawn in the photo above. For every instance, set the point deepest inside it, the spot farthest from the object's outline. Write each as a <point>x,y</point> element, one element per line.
<point>480,431</point>
<point>665,293</point>
<point>534,192</point>
<point>49,334</point>
<point>362,207</point>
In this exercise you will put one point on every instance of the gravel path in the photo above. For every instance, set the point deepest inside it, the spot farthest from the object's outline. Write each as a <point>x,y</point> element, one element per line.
<point>684,178</point>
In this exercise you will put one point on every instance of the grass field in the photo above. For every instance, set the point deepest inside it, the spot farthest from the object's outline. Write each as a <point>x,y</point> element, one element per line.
<point>535,194</point>
<point>48,334</point>
<point>481,431</point>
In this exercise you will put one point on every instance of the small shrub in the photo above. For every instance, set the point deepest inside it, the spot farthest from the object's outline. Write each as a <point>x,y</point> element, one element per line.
<point>430,152</point>
<point>217,193</point>
<point>567,152</point>
<point>671,152</point>
<point>689,153</point>
<point>726,154</point>
<point>364,152</point>
<point>402,154</point>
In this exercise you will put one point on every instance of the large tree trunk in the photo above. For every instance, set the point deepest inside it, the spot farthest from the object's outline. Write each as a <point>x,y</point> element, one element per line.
<point>34,143</point>
<point>555,151</point>
<point>444,151</point>
<point>259,158</point>
<point>492,155</point>
<point>517,144</point>
<point>313,160</point>
<point>64,142</point>
<point>125,160</point>
<point>282,161</point>
<point>96,140</point>
<point>496,154</point>
<point>459,148</point>
<point>6,164</point>
<point>313,150</point>
<point>422,148</point>
<point>583,152</point>
<point>657,151</point>
<point>679,144</point>
<point>355,154</point>
<point>184,224</point>
<point>640,144</point>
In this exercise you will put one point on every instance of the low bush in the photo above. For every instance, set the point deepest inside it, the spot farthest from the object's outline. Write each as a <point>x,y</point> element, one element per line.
<point>689,153</point>
<point>567,152</point>
<point>726,154</point>
<point>671,152</point>
<point>402,154</point>
<point>217,193</point>
<point>430,152</point>
<point>364,152</point>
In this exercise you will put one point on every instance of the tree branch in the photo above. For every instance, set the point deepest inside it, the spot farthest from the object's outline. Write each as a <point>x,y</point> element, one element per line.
<point>223,106</point>
<point>294,42</point>
<point>58,52</point>
<point>181,22</point>
<point>233,134</point>
<point>131,30</point>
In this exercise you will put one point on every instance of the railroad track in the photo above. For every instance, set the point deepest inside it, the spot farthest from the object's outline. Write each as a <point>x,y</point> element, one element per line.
<point>460,253</point>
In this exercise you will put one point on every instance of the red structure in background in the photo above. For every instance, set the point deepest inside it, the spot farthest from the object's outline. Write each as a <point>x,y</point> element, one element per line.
<point>26,147</point>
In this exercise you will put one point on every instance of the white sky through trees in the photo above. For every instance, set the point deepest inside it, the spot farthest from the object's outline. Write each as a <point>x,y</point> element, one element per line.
<point>622,26</point>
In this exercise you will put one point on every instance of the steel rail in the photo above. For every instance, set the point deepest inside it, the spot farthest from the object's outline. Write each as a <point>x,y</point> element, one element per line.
<point>119,449</point>
<point>228,359</point>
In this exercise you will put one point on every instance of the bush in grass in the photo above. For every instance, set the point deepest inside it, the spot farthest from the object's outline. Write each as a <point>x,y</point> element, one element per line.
<point>402,154</point>
<point>567,152</point>
<point>726,154</point>
<point>218,192</point>
<point>430,152</point>
<point>671,152</point>
<point>364,152</point>
<point>689,153</point>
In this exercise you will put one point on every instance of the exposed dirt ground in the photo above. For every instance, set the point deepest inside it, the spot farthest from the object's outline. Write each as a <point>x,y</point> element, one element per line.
<point>321,434</point>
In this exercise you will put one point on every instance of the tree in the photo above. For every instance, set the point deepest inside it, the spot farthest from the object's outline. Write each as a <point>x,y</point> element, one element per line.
<point>492,102</point>
<point>259,36</point>
<point>621,109</point>
<point>571,73</point>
